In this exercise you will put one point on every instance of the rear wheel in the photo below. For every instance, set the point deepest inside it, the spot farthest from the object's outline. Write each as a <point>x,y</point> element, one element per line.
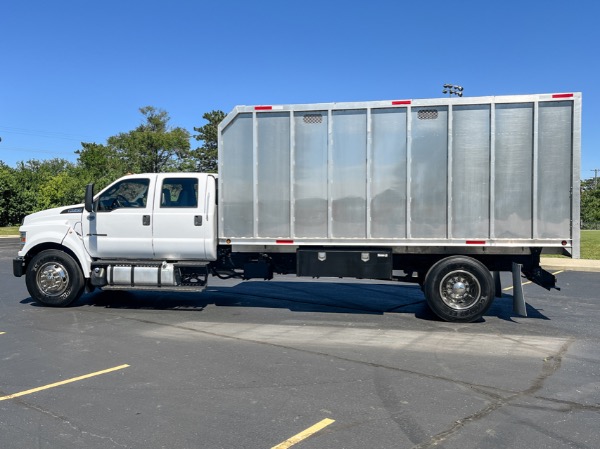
<point>54,279</point>
<point>459,289</point>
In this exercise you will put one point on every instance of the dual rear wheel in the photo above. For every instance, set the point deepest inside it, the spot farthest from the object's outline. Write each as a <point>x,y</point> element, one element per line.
<point>459,289</point>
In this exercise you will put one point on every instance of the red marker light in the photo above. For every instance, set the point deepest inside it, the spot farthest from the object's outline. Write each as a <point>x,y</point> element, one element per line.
<point>284,242</point>
<point>562,96</point>
<point>263,108</point>
<point>475,242</point>
<point>398,102</point>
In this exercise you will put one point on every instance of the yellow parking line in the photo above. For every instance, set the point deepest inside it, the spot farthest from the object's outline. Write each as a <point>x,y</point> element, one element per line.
<point>62,382</point>
<point>529,282</point>
<point>304,434</point>
<point>2,333</point>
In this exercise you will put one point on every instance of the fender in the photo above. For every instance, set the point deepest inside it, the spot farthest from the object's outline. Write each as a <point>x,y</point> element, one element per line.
<point>49,233</point>
<point>58,234</point>
<point>73,241</point>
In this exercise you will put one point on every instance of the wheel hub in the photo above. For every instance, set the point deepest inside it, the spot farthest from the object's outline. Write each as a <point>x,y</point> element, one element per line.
<point>460,290</point>
<point>52,279</point>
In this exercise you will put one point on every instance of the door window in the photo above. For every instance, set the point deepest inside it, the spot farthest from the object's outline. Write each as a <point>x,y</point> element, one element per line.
<point>129,193</point>
<point>179,193</point>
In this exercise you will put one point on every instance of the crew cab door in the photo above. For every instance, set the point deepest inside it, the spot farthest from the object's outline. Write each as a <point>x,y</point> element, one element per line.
<point>121,226</point>
<point>184,217</point>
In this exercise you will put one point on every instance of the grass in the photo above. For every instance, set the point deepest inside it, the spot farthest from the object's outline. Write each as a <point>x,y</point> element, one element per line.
<point>590,245</point>
<point>10,230</point>
<point>590,241</point>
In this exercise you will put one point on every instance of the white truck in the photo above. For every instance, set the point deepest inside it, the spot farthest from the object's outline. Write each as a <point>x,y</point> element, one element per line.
<point>442,192</point>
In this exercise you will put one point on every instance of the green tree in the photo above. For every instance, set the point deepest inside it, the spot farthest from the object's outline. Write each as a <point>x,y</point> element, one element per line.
<point>30,186</point>
<point>590,202</point>
<point>99,164</point>
<point>153,146</point>
<point>206,156</point>
<point>61,190</point>
<point>7,191</point>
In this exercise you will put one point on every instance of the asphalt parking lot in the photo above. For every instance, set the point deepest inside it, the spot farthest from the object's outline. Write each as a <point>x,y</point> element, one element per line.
<point>294,363</point>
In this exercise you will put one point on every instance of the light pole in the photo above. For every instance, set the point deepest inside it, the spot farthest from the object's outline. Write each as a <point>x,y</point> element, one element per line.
<point>452,89</point>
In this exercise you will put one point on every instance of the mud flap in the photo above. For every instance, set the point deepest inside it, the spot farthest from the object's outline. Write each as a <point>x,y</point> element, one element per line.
<point>497,284</point>
<point>519,306</point>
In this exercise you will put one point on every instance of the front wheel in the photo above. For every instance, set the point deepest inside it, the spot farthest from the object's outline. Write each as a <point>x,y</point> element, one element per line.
<point>459,289</point>
<point>54,278</point>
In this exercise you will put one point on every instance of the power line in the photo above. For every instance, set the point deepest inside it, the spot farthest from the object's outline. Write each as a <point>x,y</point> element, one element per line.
<point>31,150</point>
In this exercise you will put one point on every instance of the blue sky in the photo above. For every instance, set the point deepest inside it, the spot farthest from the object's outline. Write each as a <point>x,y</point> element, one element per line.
<point>73,70</point>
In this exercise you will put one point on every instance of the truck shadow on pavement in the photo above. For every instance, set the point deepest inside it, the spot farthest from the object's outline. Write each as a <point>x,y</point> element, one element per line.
<point>317,297</point>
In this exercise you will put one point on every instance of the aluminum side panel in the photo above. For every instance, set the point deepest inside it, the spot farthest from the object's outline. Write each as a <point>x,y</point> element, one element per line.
<point>273,180</point>
<point>388,173</point>
<point>237,211</point>
<point>349,174</point>
<point>554,168</point>
<point>429,172</point>
<point>470,196</point>
<point>514,171</point>
<point>310,174</point>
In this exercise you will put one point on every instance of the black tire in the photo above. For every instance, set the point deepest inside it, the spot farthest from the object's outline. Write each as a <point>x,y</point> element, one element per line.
<point>54,278</point>
<point>459,289</point>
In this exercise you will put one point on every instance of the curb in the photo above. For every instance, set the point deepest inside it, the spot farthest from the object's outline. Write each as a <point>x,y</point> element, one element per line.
<point>587,265</point>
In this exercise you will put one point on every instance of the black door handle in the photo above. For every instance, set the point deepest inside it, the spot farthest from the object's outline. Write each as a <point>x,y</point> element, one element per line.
<point>197,220</point>
<point>146,220</point>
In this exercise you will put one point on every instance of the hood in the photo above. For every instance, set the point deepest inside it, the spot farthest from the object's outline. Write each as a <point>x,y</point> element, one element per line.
<point>64,213</point>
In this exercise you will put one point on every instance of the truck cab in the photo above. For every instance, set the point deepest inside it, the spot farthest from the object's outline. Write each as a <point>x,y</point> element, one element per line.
<point>166,216</point>
<point>144,231</point>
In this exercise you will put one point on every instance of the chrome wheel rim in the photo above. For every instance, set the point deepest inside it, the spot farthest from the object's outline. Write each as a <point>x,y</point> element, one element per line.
<point>460,290</point>
<point>52,279</point>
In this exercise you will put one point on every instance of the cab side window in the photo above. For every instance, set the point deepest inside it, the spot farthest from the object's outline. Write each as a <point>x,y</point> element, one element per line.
<point>179,193</point>
<point>129,193</point>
